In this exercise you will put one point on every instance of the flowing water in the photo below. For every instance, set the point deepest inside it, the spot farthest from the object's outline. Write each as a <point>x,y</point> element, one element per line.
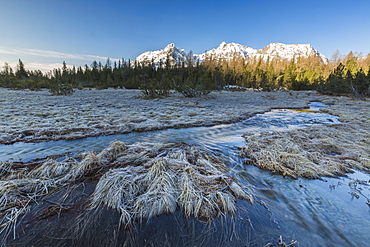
<point>313,212</point>
<point>223,137</point>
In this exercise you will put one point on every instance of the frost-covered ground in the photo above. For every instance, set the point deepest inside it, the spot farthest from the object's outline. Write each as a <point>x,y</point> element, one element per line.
<point>36,116</point>
<point>317,151</point>
<point>312,152</point>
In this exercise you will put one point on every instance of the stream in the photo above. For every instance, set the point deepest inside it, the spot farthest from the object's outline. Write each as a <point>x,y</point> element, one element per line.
<point>312,212</point>
<point>222,137</point>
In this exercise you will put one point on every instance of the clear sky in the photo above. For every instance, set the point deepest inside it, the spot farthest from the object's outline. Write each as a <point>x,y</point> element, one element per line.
<point>44,33</point>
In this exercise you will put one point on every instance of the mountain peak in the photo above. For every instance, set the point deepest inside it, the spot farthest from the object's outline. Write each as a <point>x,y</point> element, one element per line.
<point>160,57</point>
<point>170,46</point>
<point>228,51</point>
<point>222,45</point>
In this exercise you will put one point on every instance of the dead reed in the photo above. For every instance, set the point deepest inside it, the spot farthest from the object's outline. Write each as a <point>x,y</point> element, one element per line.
<point>139,181</point>
<point>183,177</point>
<point>316,151</point>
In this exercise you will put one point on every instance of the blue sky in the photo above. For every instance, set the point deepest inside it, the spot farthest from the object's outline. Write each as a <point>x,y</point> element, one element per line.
<point>44,33</point>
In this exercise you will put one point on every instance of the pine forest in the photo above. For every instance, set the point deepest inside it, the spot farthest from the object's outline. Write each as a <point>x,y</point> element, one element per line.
<point>342,75</point>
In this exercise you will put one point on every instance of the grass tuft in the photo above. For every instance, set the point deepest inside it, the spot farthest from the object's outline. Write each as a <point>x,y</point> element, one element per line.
<point>183,177</point>
<point>317,151</point>
<point>139,181</point>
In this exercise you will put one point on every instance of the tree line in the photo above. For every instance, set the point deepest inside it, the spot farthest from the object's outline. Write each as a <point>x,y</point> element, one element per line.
<point>341,76</point>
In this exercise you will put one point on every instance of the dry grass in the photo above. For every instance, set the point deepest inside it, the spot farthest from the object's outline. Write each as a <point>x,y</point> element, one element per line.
<point>113,151</point>
<point>19,188</point>
<point>316,151</point>
<point>15,197</point>
<point>182,177</point>
<point>139,181</point>
<point>5,168</point>
<point>51,169</point>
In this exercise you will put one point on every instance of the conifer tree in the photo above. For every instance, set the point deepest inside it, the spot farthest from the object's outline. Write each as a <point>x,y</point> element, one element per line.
<point>335,84</point>
<point>21,71</point>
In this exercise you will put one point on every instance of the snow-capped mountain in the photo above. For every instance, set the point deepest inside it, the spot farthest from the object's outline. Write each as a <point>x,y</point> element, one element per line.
<point>289,52</point>
<point>227,52</point>
<point>171,52</point>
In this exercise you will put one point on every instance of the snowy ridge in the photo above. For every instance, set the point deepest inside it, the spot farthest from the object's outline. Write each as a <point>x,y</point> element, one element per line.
<point>171,52</point>
<point>228,51</point>
<point>289,52</point>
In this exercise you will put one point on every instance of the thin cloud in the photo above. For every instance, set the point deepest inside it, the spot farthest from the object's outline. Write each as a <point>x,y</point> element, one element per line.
<point>44,67</point>
<point>36,65</point>
<point>54,54</point>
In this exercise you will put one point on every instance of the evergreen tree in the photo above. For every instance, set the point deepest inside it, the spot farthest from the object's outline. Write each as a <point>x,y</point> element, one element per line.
<point>335,84</point>
<point>7,76</point>
<point>362,83</point>
<point>21,71</point>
